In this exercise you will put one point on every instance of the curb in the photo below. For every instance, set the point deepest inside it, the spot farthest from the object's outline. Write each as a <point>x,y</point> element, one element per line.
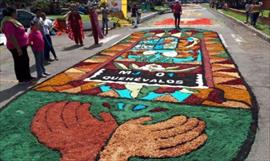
<point>257,32</point>
<point>145,18</point>
<point>87,26</point>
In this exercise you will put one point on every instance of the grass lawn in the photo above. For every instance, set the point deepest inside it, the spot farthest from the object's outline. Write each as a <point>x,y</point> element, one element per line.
<point>85,18</point>
<point>206,5</point>
<point>265,13</point>
<point>260,26</point>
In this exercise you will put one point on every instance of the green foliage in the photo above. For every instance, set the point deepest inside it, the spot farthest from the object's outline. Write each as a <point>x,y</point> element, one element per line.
<point>260,26</point>
<point>43,4</point>
<point>265,13</point>
<point>162,8</point>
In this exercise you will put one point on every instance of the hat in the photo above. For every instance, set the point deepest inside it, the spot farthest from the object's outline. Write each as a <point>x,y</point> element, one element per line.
<point>176,0</point>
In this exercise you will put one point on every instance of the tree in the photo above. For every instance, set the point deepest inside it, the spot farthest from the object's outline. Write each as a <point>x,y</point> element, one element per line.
<point>239,4</point>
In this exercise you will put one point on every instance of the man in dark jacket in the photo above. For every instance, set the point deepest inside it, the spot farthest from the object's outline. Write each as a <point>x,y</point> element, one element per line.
<point>177,12</point>
<point>135,14</point>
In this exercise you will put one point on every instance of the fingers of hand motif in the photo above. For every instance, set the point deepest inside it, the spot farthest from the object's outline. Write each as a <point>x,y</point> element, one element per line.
<point>173,137</point>
<point>70,128</point>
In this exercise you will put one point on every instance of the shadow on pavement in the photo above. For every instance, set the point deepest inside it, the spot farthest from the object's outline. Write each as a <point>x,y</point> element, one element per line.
<point>93,46</point>
<point>73,47</point>
<point>8,93</point>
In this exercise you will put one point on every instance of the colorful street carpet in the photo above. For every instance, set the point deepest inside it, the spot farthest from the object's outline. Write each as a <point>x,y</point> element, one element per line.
<point>186,21</point>
<point>157,95</point>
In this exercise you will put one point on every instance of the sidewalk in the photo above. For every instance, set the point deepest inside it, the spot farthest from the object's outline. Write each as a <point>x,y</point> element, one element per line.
<point>68,55</point>
<point>144,17</point>
<point>251,28</point>
<point>65,51</point>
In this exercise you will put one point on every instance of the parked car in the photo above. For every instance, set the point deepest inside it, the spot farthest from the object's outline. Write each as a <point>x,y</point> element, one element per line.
<point>2,39</point>
<point>24,16</point>
<point>2,36</point>
<point>1,14</point>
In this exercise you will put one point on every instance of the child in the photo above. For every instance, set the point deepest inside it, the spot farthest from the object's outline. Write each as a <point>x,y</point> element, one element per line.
<point>37,43</point>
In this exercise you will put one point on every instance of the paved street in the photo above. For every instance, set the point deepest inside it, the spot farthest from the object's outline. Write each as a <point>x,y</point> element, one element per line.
<point>250,53</point>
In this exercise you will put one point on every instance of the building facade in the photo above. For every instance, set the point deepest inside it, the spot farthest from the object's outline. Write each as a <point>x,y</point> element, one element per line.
<point>266,4</point>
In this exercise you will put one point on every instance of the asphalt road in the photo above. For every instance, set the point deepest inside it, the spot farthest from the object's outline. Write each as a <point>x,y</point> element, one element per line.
<point>250,53</point>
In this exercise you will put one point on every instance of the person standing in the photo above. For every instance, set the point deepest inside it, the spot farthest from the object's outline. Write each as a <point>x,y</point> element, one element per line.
<point>96,30</point>
<point>105,19</point>
<point>255,9</point>
<point>40,22</point>
<point>247,9</point>
<point>37,43</point>
<point>17,40</point>
<point>75,26</point>
<point>134,15</point>
<point>177,12</point>
<point>47,27</point>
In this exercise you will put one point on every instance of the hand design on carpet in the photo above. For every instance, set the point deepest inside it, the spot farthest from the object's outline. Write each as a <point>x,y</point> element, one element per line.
<point>174,137</point>
<point>70,128</point>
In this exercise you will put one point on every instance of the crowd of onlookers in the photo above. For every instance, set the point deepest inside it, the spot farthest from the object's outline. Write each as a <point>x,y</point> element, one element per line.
<point>39,38</point>
<point>18,41</point>
<point>253,8</point>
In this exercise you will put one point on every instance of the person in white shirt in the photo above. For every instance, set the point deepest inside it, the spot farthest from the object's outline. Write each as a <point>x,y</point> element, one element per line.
<point>39,20</point>
<point>47,26</point>
<point>247,9</point>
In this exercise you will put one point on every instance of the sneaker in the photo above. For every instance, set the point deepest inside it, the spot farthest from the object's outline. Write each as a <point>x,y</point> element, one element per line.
<point>41,76</point>
<point>47,62</point>
<point>31,78</point>
<point>50,60</point>
<point>29,81</point>
<point>45,73</point>
<point>56,59</point>
<point>22,82</point>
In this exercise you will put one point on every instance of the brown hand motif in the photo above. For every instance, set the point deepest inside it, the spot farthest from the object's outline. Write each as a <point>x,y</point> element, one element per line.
<point>70,128</point>
<point>174,137</point>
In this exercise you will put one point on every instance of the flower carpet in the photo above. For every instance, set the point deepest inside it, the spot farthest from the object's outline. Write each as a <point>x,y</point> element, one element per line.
<point>185,21</point>
<point>157,95</point>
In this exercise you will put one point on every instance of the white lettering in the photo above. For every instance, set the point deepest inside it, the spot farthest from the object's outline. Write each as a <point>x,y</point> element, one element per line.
<point>170,81</point>
<point>129,79</point>
<point>145,80</point>
<point>153,81</point>
<point>160,74</point>
<point>106,77</point>
<point>179,82</point>
<point>121,78</point>
<point>114,78</point>
<point>137,79</point>
<point>123,72</point>
<point>161,81</point>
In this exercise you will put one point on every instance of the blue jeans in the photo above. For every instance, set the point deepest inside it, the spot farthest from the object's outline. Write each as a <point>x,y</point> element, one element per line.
<point>254,18</point>
<point>39,57</point>
<point>105,25</point>
<point>247,16</point>
<point>48,47</point>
